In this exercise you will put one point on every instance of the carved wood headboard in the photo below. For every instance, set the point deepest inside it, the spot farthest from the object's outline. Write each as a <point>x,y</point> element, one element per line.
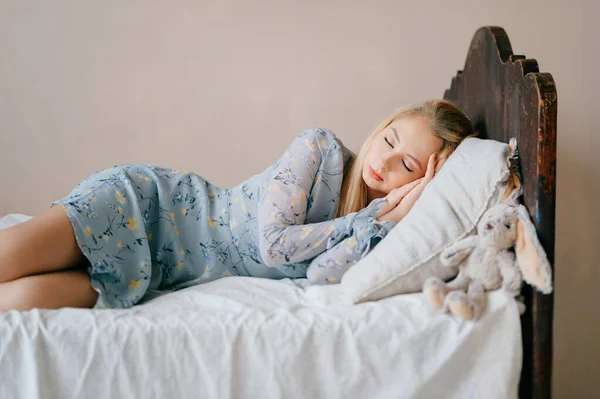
<point>506,96</point>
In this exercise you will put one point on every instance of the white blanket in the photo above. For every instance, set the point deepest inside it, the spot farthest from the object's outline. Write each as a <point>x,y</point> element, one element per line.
<point>242,337</point>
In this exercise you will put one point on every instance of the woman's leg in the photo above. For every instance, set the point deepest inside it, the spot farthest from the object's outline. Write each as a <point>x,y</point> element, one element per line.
<point>43,244</point>
<point>68,288</point>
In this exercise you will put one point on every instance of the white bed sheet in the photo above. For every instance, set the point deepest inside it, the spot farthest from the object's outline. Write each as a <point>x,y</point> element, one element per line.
<point>242,337</point>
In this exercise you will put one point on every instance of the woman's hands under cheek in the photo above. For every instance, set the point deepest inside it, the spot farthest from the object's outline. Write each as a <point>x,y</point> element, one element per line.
<point>400,200</point>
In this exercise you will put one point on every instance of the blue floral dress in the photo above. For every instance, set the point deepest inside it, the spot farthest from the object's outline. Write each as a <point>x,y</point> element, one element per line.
<point>148,230</point>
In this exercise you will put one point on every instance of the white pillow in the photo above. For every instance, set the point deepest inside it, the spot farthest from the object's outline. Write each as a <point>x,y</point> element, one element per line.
<point>473,179</point>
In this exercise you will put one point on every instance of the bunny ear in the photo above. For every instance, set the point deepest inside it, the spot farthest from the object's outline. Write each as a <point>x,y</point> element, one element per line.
<point>531,257</point>
<point>513,190</point>
<point>512,145</point>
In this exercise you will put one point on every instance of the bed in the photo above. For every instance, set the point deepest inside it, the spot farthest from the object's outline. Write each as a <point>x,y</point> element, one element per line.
<point>243,337</point>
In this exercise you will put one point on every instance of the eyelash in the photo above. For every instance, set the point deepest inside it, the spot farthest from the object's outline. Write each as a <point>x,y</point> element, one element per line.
<point>403,163</point>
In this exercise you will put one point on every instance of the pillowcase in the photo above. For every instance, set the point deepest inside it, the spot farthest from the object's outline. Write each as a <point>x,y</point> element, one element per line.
<point>472,180</point>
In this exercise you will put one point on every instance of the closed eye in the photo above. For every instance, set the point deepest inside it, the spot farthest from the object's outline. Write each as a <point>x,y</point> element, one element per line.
<point>403,163</point>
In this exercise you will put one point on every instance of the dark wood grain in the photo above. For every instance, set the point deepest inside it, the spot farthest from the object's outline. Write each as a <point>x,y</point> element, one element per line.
<point>506,96</point>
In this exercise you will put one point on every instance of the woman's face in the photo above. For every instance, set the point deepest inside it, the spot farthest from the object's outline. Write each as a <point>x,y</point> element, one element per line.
<point>398,155</point>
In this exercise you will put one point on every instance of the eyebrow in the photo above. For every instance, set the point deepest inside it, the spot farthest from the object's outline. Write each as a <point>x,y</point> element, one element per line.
<point>415,160</point>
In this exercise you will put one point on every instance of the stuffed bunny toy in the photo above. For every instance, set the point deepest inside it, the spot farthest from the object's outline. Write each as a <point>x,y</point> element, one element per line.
<point>485,262</point>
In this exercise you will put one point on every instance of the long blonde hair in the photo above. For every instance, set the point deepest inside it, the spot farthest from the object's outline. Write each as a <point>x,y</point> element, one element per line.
<point>446,121</point>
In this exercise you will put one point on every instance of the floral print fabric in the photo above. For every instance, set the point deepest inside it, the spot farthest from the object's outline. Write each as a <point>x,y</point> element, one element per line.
<point>148,230</point>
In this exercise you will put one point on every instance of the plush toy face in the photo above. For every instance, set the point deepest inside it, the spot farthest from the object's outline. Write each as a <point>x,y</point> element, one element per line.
<point>498,226</point>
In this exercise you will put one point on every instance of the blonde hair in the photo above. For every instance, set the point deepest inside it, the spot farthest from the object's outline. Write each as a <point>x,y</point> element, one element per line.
<point>446,121</point>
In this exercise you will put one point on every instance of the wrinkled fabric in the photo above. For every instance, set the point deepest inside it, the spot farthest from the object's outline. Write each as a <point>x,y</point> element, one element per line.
<point>243,337</point>
<point>147,230</point>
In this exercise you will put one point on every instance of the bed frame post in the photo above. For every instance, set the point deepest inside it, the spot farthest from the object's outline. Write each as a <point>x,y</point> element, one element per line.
<point>506,96</point>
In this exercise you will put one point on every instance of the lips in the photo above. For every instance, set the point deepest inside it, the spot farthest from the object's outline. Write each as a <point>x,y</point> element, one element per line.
<point>374,174</point>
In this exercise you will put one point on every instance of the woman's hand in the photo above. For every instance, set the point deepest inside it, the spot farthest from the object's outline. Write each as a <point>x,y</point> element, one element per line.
<point>400,200</point>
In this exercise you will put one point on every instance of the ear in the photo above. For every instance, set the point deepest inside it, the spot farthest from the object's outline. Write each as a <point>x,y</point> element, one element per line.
<point>531,257</point>
<point>513,190</point>
<point>512,145</point>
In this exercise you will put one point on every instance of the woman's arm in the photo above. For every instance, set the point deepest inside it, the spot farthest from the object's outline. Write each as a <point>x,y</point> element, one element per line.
<point>330,266</point>
<point>283,235</point>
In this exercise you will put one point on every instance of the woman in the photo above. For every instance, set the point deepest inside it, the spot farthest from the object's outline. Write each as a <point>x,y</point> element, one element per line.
<point>141,230</point>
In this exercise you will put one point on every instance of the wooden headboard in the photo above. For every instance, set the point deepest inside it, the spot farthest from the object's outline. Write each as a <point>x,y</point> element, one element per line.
<point>506,96</point>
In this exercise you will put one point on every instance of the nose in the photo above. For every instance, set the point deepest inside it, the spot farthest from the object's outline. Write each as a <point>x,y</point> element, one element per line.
<point>381,163</point>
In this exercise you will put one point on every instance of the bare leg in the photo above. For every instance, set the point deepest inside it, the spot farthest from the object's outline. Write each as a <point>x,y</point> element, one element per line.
<point>43,244</point>
<point>69,288</point>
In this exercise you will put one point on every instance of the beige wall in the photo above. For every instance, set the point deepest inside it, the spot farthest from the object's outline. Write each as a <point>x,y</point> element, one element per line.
<point>221,87</point>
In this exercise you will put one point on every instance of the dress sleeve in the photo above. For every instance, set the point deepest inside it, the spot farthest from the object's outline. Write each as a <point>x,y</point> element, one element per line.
<point>284,237</point>
<point>330,266</point>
